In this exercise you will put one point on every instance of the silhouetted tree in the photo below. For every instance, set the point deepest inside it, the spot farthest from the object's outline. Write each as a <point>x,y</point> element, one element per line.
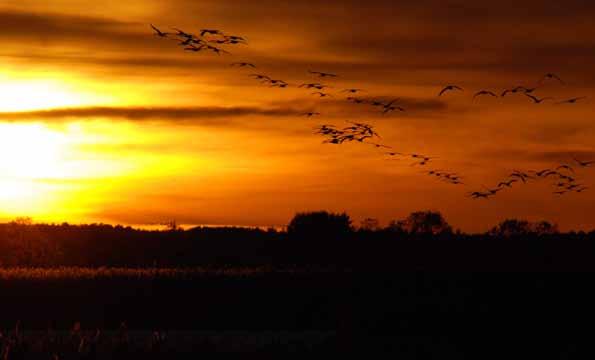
<point>319,225</point>
<point>545,228</point>
<point>423,223</point>
<point>511,227</point>
<point>369,224</point>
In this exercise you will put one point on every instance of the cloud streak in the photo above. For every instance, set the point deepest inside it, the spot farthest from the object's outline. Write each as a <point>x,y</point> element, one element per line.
<point>166,114</point>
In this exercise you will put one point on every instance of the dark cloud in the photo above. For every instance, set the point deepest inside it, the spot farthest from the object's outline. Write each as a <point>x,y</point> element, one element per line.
<point>166,114</point>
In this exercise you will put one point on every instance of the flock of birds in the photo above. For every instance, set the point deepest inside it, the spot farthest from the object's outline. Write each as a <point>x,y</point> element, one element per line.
<point>211,40</point>
<point>563,176</point>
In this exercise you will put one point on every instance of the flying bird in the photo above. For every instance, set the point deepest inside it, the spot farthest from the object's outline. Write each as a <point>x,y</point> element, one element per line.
<point>183,33</point>
<point>507,183</point>
<point>217,50</point>
<point>321,94</point>
<point>538,100</point>
<point>356,100</point>
<point>484,92</point>
<point>352,91</point>
<point>310,114</point>
<point>572,101</point>
<point>203,32</point>
<point>584,163</point>
<point>159,32</point>
<point>513,90</point>
<point>260,77</point>
<point>243,64</point>
<point>565,167</point>
<point>449,88</point>
<point>551,76</point>
<point>322,74</point>
<point>194,48</point>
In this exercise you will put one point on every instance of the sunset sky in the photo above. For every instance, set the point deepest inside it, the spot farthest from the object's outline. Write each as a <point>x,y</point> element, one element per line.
<point>101,121</point>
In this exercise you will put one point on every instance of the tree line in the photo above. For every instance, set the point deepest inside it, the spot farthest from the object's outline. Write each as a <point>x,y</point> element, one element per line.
<point>318,237</point>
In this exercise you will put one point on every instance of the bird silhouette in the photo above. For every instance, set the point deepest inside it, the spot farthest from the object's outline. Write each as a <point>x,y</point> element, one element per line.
<point>449,88</point>
<point>194,48</point>
<point>243,64</point>
<point>356,100</point>
<point>310,114</point>
<point>584,163</point>
<point>572,101</point>
<point>379,145</point>
<point>310,85</point>
<point>159,32</point>
<point>352,91</point>
<point>183,33</point>
<point>322,74</point>
<point>507,183</point>
<point>260,77</point>
<point>217,50</point>
<point>483,93</point>
<point>565,167</point>
<point>203,32</point>
<point>513,90</point>
<point>551,76</point>
<point>538,100</point>
<point>321,94</point>
<point>478,195</point>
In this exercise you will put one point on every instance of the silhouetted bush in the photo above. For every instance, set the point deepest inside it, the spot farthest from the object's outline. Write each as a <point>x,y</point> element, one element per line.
<point>517,228</point>
<point>319,225</point>
<point>422,223</point>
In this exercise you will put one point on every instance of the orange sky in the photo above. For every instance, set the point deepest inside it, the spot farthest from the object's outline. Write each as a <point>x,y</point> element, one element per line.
<point>102,121</point>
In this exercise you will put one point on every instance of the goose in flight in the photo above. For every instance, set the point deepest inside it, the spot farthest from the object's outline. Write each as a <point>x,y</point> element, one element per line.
<point>379,145</point>
<point>260,77</point>
<point>538,100</point>
<point>159,32</point>
<point>194,48</point>
<point>449,88</point>
<point>311,113</point>
<point>550,173</point>
<point>477,195</point>
<point>183,34</point>
<point>513,90</point>
<point>483,93</point>
<point>310,86</point>
<point>521,176</point>
<point>243,64</point>
<point>321,94</point>
<point>203,32</point>
<point>392,108</point>
<point>356,100</point>
<point>560,192</point>
<point>322,74</point>
<point>541,173</point>
<point>529,90</point>
<point>235,38</point>
<point>507,183</point>
<point>572,101</point>
<point>565,167</point>
<point>352,91</point>
<point>551,76</point>
<point>573,186</point>
<point>584,163</point>
<point>217,50</point>
<point>186,42</point>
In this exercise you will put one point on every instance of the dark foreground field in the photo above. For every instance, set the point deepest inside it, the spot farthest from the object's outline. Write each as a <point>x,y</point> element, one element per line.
<point>412,314</point>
